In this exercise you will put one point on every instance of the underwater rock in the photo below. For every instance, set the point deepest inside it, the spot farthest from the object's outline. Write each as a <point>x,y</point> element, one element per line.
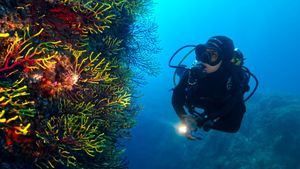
<point>268,137</point>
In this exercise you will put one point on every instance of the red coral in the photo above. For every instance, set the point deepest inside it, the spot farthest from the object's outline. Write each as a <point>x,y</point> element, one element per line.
<point>11,137</point>
<point>65,18</point>
<point>60,19</point>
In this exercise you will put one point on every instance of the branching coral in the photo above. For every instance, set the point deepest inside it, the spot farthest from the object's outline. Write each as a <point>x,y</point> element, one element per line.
<point>16,111</point>
<point>114,45</point>
<point>68,70</point>
<point>66,87</point>
<point>96,12</point>
<point>71,134</point>
<point>110,98</point>
<point>132,7</point>
<point>4,35</point>
<point>140,53</point>
<point>81,108</point>
<point>22,51</point>
<point>119,97</point>
<point>74,21</point>
<point>92,68</point>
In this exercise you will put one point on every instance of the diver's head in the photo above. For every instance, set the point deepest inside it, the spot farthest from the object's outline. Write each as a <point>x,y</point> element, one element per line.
<point>217,51</point>
<point>207,59</point>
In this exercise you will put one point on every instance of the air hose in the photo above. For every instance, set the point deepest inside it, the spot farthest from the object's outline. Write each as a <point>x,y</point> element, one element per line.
<point>178,66</point>
<point>256,83</point>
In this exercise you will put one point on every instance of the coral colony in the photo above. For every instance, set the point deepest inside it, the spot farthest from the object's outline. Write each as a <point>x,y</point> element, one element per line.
<point>66,81</point>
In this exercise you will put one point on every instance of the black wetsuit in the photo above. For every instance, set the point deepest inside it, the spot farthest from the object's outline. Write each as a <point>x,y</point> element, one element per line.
<point>219,94</point>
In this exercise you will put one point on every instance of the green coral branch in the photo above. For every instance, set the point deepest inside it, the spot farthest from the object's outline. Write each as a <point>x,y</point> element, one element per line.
<point>14,105</point>
<point>74,134</point>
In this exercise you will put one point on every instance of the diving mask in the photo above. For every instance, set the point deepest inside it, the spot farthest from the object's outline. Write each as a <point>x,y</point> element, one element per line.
<point>209,56</point>
<point>210,59</point>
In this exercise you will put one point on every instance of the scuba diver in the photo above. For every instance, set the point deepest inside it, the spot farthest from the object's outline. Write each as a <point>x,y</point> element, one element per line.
<point>216,84</point>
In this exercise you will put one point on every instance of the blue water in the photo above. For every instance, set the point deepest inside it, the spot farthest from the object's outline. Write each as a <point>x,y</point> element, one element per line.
<point>268,33</point>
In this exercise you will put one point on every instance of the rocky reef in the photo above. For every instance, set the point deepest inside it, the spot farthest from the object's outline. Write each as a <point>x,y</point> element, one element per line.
<point>268,139</point>
<point>68,72</point>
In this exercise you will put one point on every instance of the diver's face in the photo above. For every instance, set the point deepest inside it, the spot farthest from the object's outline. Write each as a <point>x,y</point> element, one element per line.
<point>208,60</point>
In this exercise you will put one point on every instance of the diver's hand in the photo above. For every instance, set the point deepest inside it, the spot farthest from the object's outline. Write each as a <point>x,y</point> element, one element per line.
<point>190,122</point>
<point>191,127</point>
<point>189,136</point>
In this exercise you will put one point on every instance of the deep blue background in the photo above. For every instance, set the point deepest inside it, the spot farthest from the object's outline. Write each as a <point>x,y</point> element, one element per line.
<point>268,33</point>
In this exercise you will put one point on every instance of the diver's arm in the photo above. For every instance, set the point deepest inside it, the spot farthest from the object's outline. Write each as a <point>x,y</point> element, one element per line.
<point>178,97</point>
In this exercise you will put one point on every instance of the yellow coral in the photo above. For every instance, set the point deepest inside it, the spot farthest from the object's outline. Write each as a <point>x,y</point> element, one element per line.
<point>92,68</point>
<point>14,107</point>
<point>4,35</point>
